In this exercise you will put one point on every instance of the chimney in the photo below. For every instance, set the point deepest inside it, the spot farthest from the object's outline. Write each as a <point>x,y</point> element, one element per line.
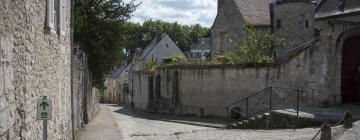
<point>220,3</point>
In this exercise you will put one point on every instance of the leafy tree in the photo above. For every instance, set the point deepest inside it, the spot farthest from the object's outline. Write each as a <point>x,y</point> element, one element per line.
<point>255,49</point>
<point>98,30</point>
<point>182,35</point>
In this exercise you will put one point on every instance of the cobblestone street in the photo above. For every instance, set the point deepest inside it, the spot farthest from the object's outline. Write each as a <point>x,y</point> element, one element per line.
<point>134,127</point>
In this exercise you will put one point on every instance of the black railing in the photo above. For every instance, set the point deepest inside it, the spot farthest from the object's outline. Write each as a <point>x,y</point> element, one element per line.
<point>266,101</point>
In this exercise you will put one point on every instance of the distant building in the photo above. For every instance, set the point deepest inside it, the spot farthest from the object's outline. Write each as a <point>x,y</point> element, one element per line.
<point>291,20</point>
<point>117,84</point>
<point>158,49</point>
<point>200,50</point>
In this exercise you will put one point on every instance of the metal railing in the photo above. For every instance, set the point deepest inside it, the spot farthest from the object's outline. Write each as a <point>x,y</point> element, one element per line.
<point>266,101</point>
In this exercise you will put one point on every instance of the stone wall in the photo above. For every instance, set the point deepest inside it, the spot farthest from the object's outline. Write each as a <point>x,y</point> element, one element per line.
<point>35,62</point>
<point>332,36</point>
<point>85,99</point>
<point>207,90</point>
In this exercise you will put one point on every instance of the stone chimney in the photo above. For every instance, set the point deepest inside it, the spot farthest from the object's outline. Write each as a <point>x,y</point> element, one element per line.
<point>220,3</point>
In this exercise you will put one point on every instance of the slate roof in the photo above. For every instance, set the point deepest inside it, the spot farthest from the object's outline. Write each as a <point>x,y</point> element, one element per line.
<point>255,12</point>
<point>115,73</point>
<point>151,46</point>
<point>202,44</point>
<point>333,8</point>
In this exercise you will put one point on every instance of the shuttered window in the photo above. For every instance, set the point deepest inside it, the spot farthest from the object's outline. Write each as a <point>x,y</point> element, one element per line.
<point>62,17</point>
<point>51,14</point>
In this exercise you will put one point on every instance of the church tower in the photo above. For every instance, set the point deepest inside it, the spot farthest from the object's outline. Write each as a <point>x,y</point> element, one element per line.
<point>293,21</point>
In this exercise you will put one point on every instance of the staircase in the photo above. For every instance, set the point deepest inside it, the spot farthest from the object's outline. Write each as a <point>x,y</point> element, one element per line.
<point>265,109</point>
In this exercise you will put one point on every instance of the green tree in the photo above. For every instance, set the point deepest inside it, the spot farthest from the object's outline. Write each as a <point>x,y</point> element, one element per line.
<point>256,48</point>
<point>182,35</point>
<point>98,30</point>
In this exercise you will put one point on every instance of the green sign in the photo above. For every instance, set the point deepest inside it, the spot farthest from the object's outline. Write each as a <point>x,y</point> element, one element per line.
<point>44,109</point>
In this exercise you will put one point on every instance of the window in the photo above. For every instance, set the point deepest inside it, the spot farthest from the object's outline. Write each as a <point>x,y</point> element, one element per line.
<point>56,16</point>
<point>50,13</point>
<point>278,23</point>
<point>62,17</point>
<point>306,24</point>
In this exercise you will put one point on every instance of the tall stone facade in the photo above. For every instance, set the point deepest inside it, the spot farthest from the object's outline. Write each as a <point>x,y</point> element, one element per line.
<point>294,22</point>
<point>34,62</point>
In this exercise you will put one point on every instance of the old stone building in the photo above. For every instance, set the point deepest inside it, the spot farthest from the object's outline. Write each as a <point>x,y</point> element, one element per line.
<point>159,48</point>
<point>35,61</point>
<point>117,85</point>
<point>323,68</point>
<point>291,20</point>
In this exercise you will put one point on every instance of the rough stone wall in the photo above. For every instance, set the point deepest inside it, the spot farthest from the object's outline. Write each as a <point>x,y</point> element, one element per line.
<point>206,91</point>
<point>78,88</point>
<point>229,24</point>
<point>332,35</point>
<point>141,84</point>
<point>83,110</point>
<point>293,16</point>
<point>34,63</point>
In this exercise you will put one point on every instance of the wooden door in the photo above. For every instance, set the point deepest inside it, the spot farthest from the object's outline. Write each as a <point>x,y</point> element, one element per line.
<point>350,63</point>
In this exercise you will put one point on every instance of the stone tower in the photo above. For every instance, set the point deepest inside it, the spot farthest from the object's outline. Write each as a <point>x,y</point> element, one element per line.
<point>220,3</point>
<point>293,21</point>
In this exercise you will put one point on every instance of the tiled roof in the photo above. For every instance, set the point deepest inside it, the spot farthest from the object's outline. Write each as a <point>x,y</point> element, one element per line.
<point>329,8</point>
<point>255,12</point>
<point>151,45</point>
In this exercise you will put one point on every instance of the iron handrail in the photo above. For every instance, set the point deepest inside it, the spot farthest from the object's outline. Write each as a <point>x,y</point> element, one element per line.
<point>245,98</point>
<point>268,92</point>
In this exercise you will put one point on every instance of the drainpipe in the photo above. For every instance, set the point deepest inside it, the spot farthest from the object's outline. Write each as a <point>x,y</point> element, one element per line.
<point>71,67</point>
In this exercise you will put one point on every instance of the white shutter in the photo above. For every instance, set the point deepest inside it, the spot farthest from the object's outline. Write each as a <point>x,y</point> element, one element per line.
<point>51,15</point>
<point>62,17</point>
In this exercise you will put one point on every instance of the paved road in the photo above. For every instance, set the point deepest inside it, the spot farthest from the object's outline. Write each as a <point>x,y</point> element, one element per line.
<point>134,127</point>
<point>103,127</point>
<point>117,123</point>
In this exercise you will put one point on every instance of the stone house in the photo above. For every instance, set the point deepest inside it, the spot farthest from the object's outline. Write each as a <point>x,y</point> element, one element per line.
<point>283,18</point>
<point>35,61</point>
<point>159,48</point>
<point>323,68</point>
<point>117,85</point>
<point>199,50</point>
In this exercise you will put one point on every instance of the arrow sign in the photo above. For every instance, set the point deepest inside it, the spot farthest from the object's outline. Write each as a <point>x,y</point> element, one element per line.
<point>44,104</point>
<point>44,109</point>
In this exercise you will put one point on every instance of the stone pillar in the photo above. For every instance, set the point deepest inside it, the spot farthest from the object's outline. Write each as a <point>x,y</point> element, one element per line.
<point>348,120</point>
<point>325,132</point>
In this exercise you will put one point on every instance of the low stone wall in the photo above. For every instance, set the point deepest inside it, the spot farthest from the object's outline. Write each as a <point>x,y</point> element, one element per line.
<point>207,90</point>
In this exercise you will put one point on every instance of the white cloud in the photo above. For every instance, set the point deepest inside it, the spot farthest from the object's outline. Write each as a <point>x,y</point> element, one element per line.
<point>182,11</point>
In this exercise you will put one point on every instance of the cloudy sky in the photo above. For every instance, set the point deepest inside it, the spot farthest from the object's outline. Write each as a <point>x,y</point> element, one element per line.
<point>183,11</point>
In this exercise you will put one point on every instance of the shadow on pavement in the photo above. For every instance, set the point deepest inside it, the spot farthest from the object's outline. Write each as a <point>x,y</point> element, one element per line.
<point>205,122</point>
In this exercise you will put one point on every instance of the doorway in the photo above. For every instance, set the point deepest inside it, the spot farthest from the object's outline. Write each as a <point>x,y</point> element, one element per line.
<point>350,62</point>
